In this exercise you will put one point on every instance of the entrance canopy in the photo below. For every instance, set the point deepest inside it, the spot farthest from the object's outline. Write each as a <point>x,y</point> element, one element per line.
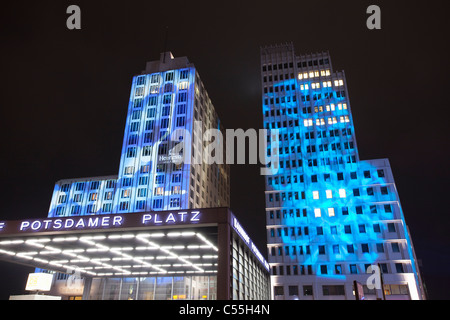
<point>151,243</point>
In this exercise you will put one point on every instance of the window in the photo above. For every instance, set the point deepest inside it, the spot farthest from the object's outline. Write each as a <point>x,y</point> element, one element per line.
<point>329,194</point>
<point>146,151</point>
<point>278,290</point>
<point>373,208</point>
<point>391,227</point>
<point>182,97</point>
<point>317,213</point>
<point>347,229</point>
<point>180,121</point>
<point>380,248</point>
<point>376,228</point>
<point>387,208</point>
<point>307,290</point>
<point>384,190</point>
<point>380,173</point>
<point>159,179</point>
<point>184,74</point>
<point>392,289</point>
<point>174,202</point>
<point>353,269</point>
<point>167,99</point>
<point>395,247</point>
<point>79,186</point>
<point>76,209</point>
<point>169,76</point>
<point>128,170</point>
<point>336,290</point>
<point>293,290</point>
<point>131,152</point>
<point>399,268</point>
<point>316,195</point>
<point>362,228</point>
<point>176,177</point>
<point>59,211</point>
<point>336,249</point>
<point>142,192</point>
<point>356,192</point>
<point>331,212</point>
<point>164,123</point>
<point>342,193</point>
<point>157,203</point>
<point>124,206</point>
<point>140,204</point>
<point>320,233</point>
<point>91,208</point>
<point>323,269</point>
<point>107,207</point>
<point>365,247</point>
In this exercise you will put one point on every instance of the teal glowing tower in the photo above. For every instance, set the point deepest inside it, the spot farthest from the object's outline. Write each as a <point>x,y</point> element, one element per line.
<point>332,219</point>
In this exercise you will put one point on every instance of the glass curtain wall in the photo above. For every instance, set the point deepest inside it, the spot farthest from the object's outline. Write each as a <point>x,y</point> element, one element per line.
<point>155,288</point>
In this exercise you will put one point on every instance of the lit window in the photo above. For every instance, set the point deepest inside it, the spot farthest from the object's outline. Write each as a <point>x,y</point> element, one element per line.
<point>327,72</point>
<point>329,194</point>
<point>320,121</point>
<point>316,73</point>
<point>311,74</point>
<point>331,212</point>
<point>342,193</point>
<point>344,105</point>
<point>332,120</point>
<point>317,213</point>
<point>316,195</point>
<point>300,76</point>
<point>307,122</point>
<point>159,191</point>
<point>183,85</point>
<point>304,87</point>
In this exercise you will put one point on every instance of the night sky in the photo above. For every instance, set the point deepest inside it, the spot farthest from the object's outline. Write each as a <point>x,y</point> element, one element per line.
<point>64,96</point>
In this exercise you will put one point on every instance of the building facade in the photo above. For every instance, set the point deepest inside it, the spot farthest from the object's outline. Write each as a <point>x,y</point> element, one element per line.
<point>192,254</point>
<point>330,216</point>
<point>161,165</point>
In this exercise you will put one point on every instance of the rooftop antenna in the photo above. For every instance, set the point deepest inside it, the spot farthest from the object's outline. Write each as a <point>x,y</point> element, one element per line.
<point>165,44</point>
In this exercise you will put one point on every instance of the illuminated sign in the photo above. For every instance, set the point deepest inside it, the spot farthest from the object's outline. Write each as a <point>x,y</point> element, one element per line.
<point>39,282</point>
<point>102,221</point>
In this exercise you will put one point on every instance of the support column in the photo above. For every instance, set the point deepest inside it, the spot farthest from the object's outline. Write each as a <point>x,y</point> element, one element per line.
<point>87,288</point>
<point>224,267</point>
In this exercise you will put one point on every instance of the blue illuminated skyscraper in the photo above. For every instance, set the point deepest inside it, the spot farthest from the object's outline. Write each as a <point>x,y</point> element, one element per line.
<point>168,104</point>
<point>329,215</point>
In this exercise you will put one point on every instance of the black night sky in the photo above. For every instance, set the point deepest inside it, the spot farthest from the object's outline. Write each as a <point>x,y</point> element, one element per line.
<point>64,96</point>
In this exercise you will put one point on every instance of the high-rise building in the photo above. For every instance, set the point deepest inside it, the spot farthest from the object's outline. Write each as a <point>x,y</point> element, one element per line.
<point>330,216</point>
<point>168,104</point>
